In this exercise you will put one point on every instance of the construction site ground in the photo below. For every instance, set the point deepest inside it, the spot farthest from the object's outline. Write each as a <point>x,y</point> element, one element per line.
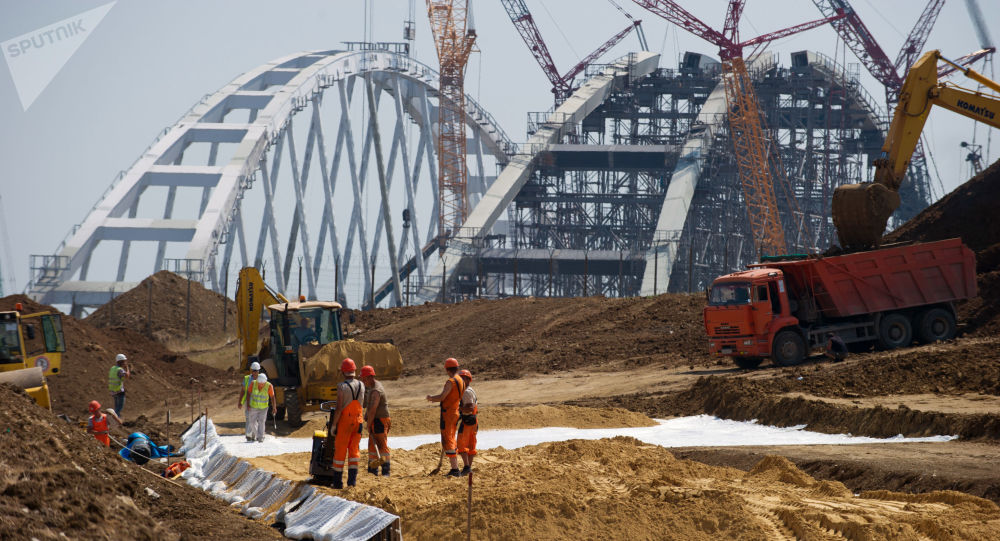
<point>585,362</point>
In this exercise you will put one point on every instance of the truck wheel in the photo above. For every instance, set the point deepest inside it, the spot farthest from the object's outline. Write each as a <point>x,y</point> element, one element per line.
<point>293,408</point>
<point>936,324</point>
<point>279,413</point>
<point>789,348</point>
<point>747,362</point>
<point>895,331</point>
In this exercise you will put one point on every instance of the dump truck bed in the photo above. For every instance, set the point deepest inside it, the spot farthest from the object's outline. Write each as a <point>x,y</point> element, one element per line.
<point>891,278</point>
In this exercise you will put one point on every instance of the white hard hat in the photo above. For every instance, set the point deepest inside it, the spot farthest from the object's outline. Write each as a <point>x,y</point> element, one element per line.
<point>255,366</point>
<point>120,357</point>
<point>261,378</point>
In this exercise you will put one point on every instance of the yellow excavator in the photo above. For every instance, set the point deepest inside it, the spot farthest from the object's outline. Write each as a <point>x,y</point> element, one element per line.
<point>302,352</point>
<point>861,211</point>
<point>28,354</point>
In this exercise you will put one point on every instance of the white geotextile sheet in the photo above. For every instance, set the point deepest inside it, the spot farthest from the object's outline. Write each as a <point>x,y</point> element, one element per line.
<point>695,431</point>
<point>320,516</point>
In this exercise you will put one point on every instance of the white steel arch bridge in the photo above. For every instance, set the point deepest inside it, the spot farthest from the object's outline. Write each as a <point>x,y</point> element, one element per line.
<point>277,169</point>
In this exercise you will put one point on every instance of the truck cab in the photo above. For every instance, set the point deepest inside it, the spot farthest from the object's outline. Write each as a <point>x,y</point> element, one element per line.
<point>745,311</point>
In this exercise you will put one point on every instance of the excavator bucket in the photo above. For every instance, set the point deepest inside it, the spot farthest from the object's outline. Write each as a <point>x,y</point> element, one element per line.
<point>321,364</point>
<point>861,212</point>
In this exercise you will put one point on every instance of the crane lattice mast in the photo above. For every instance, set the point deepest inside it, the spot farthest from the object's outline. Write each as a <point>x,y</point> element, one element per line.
<point>746,124</point>
<point>453,41</point>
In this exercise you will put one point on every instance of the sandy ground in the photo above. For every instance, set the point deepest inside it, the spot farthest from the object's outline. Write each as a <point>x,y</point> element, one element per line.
<point>623,488</point>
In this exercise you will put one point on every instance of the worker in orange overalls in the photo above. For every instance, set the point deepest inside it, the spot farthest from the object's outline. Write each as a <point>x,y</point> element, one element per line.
<point>377,420</point>
<point>347,421</point>
<point>98,422</point>
<point>469,426</point>
<point>450,398</point>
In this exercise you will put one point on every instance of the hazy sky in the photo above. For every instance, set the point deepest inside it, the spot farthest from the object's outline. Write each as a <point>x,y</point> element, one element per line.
<point>148,62</point>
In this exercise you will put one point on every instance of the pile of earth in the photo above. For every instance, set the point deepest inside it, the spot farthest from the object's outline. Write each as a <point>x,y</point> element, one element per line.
<point>514,337</point>
<point>160,378</point>
<point>57,482</point>
<point>159,307</point>
<point>622,488</point>
<point>968,212</point>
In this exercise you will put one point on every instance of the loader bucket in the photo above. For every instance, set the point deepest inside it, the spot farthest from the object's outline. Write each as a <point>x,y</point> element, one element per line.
<point>860,213</point>
<point>321,364</point>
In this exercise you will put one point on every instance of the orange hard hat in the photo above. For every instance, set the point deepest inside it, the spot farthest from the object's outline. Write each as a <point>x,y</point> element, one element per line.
<point>367,371</point>
<point>465,373</point>
<point>94,406</point>
<point>348,365</point>
<point>451,362</point>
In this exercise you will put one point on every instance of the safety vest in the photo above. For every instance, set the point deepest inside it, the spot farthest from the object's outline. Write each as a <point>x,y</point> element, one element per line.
<point>114,380</point>
<point>100,428</point>
<point>258,397</point>
<point>246,388</point>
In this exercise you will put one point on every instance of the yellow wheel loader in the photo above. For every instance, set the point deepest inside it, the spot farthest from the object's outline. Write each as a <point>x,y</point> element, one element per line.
<point>28,354</point>
<point>304,346</point>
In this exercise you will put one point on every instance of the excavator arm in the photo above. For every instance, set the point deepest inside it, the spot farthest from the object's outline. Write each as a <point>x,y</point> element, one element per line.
<point>252,298</point>
<point>861,211</point>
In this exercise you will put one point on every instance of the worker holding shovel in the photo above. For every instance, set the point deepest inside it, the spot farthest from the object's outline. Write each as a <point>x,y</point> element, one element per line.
<point>469,427</point>
<point>449,398</point>
<point>378,422</point>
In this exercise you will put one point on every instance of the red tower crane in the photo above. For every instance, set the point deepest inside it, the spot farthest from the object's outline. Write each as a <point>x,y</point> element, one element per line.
<point>562,85</point>
<point>746,125</point>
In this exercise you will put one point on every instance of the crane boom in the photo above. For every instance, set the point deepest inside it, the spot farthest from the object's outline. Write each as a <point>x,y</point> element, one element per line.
<point>860,40</point>
<point>453,41</point>
<point>562,85</point>
<point>917,38</point>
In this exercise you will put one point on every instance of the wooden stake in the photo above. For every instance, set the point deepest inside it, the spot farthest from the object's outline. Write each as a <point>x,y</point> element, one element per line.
<point>468,523</point>
<point>204,431</point>
<point>167,407</point>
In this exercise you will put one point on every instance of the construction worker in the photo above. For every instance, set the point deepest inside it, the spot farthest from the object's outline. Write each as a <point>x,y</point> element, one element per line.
<point>836,349</point>
<point>116,381</point>
<point>245,395</point>
<point>450,398</point>
<point>377,420</point>
<point>469,426</point>
<point>303,333</point>
<point>347,421</point>
<point>98,422</point>
<point>260,393</point>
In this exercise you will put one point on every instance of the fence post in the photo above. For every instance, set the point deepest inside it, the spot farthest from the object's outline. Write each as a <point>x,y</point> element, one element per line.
<point>586,271</point>
<point>187,318</point>
<point>149,311</point>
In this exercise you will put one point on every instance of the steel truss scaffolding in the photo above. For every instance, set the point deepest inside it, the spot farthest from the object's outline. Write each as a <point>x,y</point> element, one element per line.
<point>592,200</point>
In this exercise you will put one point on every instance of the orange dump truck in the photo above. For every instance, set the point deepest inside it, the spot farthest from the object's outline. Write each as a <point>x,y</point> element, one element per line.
<point>783,307</point>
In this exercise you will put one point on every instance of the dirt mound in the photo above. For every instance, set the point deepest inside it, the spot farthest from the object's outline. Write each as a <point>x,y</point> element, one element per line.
<point>158,307</point>
<point>585,489</point>
<point>520,336</point>
<point>968,212</point>
<point>159,375</point>
<point>58,482</point>
<point>967,365</point>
